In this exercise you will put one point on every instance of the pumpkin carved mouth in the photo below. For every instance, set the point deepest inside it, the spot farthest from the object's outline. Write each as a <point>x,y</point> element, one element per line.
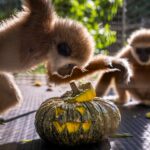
<point>72,127</point>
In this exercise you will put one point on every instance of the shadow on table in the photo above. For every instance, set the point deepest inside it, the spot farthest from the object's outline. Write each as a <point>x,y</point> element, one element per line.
<point>40,145</point>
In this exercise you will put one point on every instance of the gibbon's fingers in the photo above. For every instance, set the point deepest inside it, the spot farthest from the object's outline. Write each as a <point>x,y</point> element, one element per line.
<point>97,64</point>
<point>77,73</point>
<point>10,95</point>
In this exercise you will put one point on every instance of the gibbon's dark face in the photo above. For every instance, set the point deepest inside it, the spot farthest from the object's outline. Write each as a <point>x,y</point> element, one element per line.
<point>143,54</point>
<point>71,46</point>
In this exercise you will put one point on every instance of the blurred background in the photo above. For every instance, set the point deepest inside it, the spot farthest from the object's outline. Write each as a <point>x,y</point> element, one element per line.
<point>109,21</point>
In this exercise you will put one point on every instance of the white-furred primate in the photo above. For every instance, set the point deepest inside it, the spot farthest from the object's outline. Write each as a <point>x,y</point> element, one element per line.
<point>37,35</point>
<point>137,52</point>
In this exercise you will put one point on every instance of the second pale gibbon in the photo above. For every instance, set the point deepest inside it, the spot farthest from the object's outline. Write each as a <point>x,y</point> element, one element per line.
<point>37,35</point>
<point>137,52</point>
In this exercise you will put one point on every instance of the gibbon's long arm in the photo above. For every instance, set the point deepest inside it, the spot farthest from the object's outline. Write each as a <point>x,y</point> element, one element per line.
<point>44,8</point>
<point>97,64</point>
<point>121,78</point>
<point>9,93</point>
<point>104,82</point>
<point>36,5</point>
<point>119,84</point>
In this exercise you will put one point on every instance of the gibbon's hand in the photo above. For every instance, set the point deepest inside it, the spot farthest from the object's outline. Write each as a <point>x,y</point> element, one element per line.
<point>97,64</point>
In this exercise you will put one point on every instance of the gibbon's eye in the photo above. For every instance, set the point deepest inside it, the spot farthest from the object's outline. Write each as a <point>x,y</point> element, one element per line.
<point>139,50</point>
<point>64,49</point>
<point>142,54</point>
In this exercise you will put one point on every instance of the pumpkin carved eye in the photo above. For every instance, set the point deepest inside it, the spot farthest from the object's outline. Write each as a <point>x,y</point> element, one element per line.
<point>59,111</point>
<point>86,126</point>
<point>81,109</point>
<point>77,117</point>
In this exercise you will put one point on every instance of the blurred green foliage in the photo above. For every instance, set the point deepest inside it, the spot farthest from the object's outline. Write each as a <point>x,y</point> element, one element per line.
<point>39,70</point>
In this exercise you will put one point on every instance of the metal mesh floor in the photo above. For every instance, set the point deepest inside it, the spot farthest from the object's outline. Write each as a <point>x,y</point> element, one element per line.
<point>20,134</point>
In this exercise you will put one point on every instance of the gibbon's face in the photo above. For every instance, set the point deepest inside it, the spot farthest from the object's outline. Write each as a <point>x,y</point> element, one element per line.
<point>140,44</point>
<point>143,55</point>
<point>71,46</point>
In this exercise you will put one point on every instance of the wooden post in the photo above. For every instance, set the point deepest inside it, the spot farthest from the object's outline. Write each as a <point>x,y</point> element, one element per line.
<point>124,22</point>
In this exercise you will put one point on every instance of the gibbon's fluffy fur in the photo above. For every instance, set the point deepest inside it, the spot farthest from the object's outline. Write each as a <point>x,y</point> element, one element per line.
<point>137,52</point>
<point>37,35</point>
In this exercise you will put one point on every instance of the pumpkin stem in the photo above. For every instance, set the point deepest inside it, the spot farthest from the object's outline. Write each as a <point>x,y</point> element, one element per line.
<point>74,88</point>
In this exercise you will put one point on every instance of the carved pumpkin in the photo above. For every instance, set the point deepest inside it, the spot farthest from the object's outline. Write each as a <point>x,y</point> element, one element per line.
<point>77,117</point>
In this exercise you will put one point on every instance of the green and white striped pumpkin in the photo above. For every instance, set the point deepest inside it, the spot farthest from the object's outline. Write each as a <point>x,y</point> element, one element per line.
<point>77,117</point>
